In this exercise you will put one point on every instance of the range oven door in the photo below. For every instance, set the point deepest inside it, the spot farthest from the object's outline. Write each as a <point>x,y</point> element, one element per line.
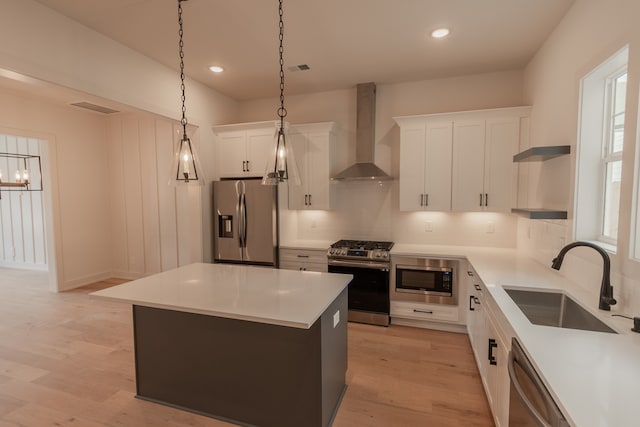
<point>368,292</point>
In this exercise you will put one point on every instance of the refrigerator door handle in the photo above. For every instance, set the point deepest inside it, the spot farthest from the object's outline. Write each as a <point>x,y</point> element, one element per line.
<point>243,215</point>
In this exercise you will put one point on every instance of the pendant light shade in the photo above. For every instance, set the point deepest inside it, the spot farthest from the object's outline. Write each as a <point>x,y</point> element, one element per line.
<point>282,164</point>
<point>185,166</point>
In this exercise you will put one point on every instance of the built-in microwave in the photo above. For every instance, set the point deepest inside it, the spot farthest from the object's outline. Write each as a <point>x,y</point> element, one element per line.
<point>424,280</point>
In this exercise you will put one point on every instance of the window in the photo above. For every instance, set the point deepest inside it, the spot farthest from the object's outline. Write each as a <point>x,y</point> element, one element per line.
<point>599,151</point>
<point>612,155</point>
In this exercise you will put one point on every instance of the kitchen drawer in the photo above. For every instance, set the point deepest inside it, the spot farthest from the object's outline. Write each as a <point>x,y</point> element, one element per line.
<point>308,255</point>
<point>432,312</point>
<point>304,259</point>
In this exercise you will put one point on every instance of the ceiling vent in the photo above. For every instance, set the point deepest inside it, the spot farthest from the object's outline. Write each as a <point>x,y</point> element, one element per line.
<point>94,107</point>
<point>301,67</point>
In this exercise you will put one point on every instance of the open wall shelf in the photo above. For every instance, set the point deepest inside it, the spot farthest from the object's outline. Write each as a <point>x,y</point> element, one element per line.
<point>540,154</point>
<point>539,213</point>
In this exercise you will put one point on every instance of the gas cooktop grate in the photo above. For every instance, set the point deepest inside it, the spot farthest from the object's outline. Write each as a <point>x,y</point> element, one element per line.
<point>363,245</point>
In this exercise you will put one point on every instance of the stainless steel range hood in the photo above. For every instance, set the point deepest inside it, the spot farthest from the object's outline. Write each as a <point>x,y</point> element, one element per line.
<point>364,168</point>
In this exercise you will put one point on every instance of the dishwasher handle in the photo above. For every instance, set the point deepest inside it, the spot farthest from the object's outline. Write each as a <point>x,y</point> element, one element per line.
<point>557,417</point>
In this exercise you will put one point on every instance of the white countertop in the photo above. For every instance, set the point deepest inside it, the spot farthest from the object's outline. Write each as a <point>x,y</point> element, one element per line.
<point>594,377</point>
<point>258,294</point>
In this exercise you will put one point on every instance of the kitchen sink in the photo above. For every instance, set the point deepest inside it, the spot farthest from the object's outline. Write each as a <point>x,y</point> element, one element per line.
<point>548,308</point>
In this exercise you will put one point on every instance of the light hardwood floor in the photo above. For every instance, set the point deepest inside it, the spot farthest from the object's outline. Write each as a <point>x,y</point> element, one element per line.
<point>66,359</point>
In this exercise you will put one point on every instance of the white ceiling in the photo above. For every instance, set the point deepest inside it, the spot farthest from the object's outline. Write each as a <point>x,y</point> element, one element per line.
<point>345,42</point>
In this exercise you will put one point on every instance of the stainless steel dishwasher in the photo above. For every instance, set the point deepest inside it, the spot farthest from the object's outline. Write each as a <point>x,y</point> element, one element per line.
<point>530,403</point>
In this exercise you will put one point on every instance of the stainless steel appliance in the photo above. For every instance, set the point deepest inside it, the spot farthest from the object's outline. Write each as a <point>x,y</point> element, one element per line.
<point>368,292</point>
<point>424,280</point>
<point>245,222</point>
<point>530,403</point>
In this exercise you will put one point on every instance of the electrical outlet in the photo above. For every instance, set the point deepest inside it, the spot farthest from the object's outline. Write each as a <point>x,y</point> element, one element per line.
<point>428,226</point>
<point>491,228</point>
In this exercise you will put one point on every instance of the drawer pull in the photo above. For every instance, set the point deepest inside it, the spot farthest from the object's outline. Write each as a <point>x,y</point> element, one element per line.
<point>470,273</point>
<point>478,288</point>
<point>302,256</point>
<point>492,344</point>
<point>422,311</point>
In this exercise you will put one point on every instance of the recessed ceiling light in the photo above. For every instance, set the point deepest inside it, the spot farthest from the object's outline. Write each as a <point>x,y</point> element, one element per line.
<point>440,33</point>
<point>216,69</point>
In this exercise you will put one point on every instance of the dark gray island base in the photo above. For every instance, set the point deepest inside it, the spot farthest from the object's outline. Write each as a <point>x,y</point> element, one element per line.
<point>249,373</point>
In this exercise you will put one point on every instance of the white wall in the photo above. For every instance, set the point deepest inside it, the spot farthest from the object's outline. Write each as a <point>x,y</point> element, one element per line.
<point>155,226</point>
<point>50,47</point>
<point>22,216</point>
<point>367,210</point>
<point>590,33</point>
<point>75,182</point>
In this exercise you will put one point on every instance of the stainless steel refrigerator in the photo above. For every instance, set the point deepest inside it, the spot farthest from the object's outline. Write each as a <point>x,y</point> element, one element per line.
<point>245,222</point>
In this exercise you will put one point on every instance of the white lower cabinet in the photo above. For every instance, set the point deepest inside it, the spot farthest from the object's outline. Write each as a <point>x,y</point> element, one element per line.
<point>423,311</point>
<point>491,347</point>
<point>304,259</point>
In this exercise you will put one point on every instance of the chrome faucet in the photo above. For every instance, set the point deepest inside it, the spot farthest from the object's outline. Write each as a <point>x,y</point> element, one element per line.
<point>606,290</point>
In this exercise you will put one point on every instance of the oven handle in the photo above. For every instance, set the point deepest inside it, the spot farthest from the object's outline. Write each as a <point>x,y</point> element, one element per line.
<point>369,265</point>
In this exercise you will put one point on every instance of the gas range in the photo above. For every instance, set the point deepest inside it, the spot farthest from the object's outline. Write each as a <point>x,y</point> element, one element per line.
<point>369,263</point>
<point>360,250</point>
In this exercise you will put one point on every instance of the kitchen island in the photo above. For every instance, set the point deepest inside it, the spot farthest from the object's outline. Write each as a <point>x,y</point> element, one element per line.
<point>249,345</point>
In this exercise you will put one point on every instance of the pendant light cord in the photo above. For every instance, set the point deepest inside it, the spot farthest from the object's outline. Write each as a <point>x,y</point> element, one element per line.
<point>183,121</point>
<point>282,112</point>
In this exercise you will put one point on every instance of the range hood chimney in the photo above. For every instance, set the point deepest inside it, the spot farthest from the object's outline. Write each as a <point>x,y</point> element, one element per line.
<point>364,168</point>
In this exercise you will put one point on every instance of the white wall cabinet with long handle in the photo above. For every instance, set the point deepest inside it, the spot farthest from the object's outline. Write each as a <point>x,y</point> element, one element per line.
<point>242,150</point>
<point>313,146</point>
<point>484,176</point>
<point>461,161</point>
<point>425,164</point>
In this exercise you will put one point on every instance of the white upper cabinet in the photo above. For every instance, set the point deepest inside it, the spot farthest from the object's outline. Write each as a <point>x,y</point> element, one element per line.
<point>313,147</point>
<point>425,163</point>
<point>461,161</point>
<point>243,150</point>
<point>484,176</point>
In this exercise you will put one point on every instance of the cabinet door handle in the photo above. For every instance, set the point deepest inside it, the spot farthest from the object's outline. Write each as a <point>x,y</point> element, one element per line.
<point>422,311</point>
<point>480,199</point>
<point>309,199</point>
<point>306,196</point>
<point>244,166</point>
<point>470,273</point>
<point>248,169</point>
<point>478,288</point>
<point>492,344</point>
<point>422,200</point>
<point>471,303</point>
<point>486,199</point>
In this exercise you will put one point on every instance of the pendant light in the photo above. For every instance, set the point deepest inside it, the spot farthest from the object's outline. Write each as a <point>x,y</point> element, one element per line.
<point>282,164</point>
<point>185,168</point>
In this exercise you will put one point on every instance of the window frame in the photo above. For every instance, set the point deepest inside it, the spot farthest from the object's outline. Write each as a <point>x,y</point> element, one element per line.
<point>609,156</point>
<point>590,171</point>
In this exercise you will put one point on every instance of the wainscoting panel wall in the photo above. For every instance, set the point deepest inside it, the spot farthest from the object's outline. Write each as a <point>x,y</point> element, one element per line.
<point>21,212</point>
<point>153,225</point>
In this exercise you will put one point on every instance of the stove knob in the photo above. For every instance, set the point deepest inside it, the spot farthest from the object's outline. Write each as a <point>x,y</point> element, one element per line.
<point>378,254</point>
<point>385,255</point>
<point>332,251</point>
